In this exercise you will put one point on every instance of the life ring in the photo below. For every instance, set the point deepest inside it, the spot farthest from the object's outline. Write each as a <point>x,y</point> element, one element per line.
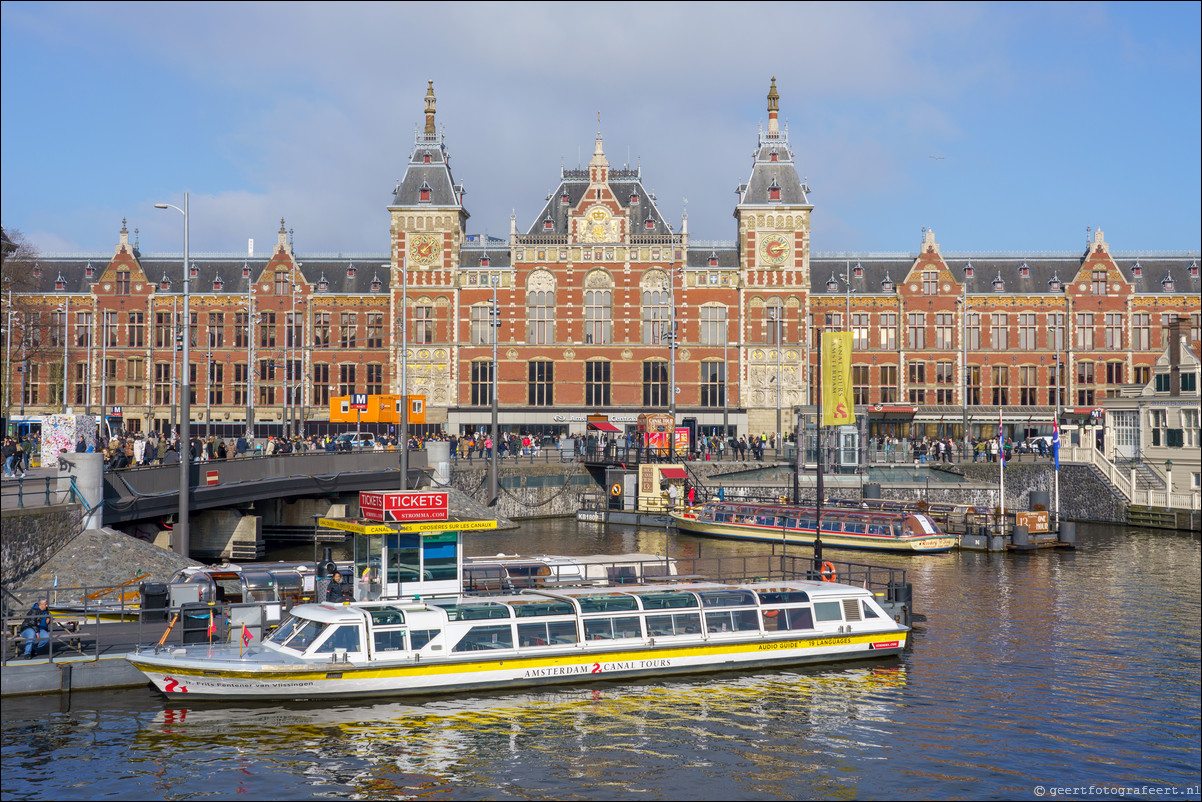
<point>828,572</point>
<point>770,613</point>
<point>616,490</point>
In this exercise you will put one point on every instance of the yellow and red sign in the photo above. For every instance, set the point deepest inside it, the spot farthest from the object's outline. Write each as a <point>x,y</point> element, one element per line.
<point>838,402</point>
<point>398,505</point>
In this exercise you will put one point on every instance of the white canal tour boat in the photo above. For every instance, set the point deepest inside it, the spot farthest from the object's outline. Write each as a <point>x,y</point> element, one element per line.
<point>863,529</point>
<point>536,638</point>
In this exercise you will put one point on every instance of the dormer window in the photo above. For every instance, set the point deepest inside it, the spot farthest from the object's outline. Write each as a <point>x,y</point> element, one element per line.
<point>1024,270</point>
<point>376,284</point>
<point>998,284</point>
<point>858,271</point>
<point>218,284</point>
<point>350,270</point>
<point>89,271</point>
<point>1054,283</point>
<point>831,284</point>
<point>60,283</point>
<point>245,270</point>
<point>774,190</point>
<point>713,260</point>
<point>649,225</point>
<point>773,155</point>
<point>1193,269</point>
<point>193,271</point>
<point>564,199</point>
<point>323,284</point>
<point>37,271</point>
<point>968,270</point>
<point>425,158</point>
<point>165,283</point>
<point>634,198</point>
<point>548,223</point>
<point>485,260</point>
<point>1167,283</point>
<point>423,193</point>
<point>887,284</point>
<point>1137,269</point>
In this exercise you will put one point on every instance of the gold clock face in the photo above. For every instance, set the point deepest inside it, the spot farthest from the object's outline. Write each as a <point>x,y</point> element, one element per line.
<point>774,250</point>
<point>423,249</point>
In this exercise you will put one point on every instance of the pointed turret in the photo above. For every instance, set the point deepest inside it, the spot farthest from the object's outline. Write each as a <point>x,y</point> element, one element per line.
<point>430,109</point>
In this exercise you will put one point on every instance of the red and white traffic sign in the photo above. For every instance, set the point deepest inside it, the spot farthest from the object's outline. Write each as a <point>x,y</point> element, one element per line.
<point>399,505</point>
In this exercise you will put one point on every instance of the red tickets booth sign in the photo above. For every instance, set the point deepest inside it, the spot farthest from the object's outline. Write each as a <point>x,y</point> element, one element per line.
<point>398,505</point>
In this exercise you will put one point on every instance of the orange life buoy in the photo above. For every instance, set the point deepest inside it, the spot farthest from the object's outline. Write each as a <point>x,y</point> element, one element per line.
<point>828,572</point>
<point>770,613</point>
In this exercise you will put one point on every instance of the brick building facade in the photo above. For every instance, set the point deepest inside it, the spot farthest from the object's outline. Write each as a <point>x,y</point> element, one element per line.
<point>602,307</point>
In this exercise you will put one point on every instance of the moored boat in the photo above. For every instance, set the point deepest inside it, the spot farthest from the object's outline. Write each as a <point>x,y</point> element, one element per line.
<point>842,528</point>
<point>536,638</point>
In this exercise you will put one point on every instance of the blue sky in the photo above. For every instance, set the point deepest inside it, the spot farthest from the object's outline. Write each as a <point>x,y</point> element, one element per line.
<point>1046,118</point>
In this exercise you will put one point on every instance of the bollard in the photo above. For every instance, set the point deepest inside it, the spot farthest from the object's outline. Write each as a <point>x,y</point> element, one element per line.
<point>1019,537</point>
<point>1068,532</point>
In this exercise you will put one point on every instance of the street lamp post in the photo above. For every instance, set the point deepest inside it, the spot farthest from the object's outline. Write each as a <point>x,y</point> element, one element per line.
<point>66,331</point>
<point>181,540</point>
<point>725,378</point>
<point>494,482</point>
<point>404,438</point>
<point>964,364</point>
<point>775,316</point>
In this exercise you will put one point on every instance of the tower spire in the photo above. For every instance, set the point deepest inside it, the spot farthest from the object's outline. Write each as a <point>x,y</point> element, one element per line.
<point>773,109</point>
<point>430,109</point>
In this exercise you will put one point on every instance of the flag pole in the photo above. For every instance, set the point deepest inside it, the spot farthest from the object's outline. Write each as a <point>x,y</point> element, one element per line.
<point>819,430</point>
<point>1001,451</point>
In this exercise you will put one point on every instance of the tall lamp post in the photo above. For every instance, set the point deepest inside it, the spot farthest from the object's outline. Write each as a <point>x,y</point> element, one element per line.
<point>775,316</point>
<point>66,330</point>
<point>181,540</point>
<point>964,362</point>
<point>494,482</point>
<point>404,438</point>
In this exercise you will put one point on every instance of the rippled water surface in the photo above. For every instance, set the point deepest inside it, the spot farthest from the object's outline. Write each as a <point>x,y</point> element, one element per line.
<point>1056,669</point>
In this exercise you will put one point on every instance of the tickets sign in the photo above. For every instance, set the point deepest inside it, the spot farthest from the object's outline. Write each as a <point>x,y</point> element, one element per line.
<point>399,505</point>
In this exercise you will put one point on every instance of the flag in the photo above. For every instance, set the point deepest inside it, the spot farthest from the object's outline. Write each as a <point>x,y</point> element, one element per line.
<point>838,403</point>
<point>246,636</point>
<point>1001,440</point>
<point>1056,442</point>
<point>212,625</point>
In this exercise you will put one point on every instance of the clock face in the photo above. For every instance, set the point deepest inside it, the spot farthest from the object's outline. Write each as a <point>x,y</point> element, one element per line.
<point>423,249</point>
<point>774,250</point>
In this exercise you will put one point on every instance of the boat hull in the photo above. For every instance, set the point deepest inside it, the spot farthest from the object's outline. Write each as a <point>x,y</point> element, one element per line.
<point>836,540</point>
<point>207,676</point>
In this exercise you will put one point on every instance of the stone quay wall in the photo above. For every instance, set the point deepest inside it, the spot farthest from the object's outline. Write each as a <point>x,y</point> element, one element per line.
<point>29,536</point>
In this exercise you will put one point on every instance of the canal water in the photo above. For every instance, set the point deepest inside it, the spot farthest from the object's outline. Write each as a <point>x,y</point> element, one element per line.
<point>1071,674</point>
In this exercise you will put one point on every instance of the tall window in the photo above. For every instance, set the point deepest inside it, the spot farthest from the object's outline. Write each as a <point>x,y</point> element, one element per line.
<point>999,335</point>
<point>888,330</point>
<point>859,333</point>
<point>375,379</point>
<point>240,383</point>
<point>216,380</point>
<point>163,382</point>
<point>123,282</point>
<point>109,328</point>
<point>267,330</point>
<point>945,380</point>
<point>916,386</point>
<point>1057,339</point>
<point>83,329</point>
<point>945,331</point>
<point>974,385</point>
<point>293,390</point>
<point>972,325</point>
<point>348,330</point>
<point>916,335</point>
<point>347,384</point>
<point>713,384</point>
<point>375,329</point>
<point>193,328</point>
<point>1114,375</point>
<point>54,387</point>
<point>162,330</point>
<point>481,383</point>
<point>1026,331</point>
<point>321,329</point>
<point>860,385</point>
<point>1114,331</point>
<point>293,327</point>
<point>1057,384</point>
<point>540,316</point>
<point>541,383</point>
<point>1141,331</point>
<point>483,332</point>
<point>135,374</point>
<point>282,285</point>
<point>888,384</point>
<point>321,383</point>
<point>1085,380</point>
<point>216,329</point>
<point>80,383</point>
<point>930,282</point>
<point>423,324</point>
<point>596,384</point>
<point>774,323</point>
<point>265,384</point>
<point>1001,385</point>
<point>1028,385</point>
<point>656,317</point>
<point>58,329</point>
<point>598,316</point>
<point>655,383</point>
<point>1098,282</point>
<point>1085,331</point>
<point>713,325</point>
<point>241,329</point>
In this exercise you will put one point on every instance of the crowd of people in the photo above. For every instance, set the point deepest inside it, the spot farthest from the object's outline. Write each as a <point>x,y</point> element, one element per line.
<point>17,453</point>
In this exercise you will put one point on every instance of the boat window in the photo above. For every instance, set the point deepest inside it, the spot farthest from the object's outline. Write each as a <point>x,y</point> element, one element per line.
<point>421,637</point>
<point>855,527</point>
<point>404,557</point>
<point>304,635</point>
<point>390,640</point>
<point>726,598</point>
<point>440,556</point>
<point>782,596</point>
<point>829,525</point>
<point>898,529</point>
<point>678,624</point>
<point>868,611</point>
<point>527,609</point>
<point>878,526</point>
<point>607,603</point>
<point>474,612</point>
<point>485,637</point>
<point>791,523</point>
<point>828,611</point>
<point>723,516</point>
<point>665,601</point>
<point>343,637</point>
<point>784,619</point>
<point>732,621</point>
<point>484,578</point>
<point>612,628</point>
<point>809,523</point>
<point>553,633</point>
<point>387,616</point>
<point>285,630</point>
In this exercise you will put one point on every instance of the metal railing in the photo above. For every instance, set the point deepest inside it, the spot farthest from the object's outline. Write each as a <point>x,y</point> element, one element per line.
<point>40,491</point>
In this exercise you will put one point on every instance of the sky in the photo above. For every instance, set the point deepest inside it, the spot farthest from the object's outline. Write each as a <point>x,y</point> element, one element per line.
<point>1004,127</point>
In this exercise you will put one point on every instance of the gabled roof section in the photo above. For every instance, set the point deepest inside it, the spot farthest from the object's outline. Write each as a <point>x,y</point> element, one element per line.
<point>428,180</point>
<point>626,186</point>
<point>774,179</point>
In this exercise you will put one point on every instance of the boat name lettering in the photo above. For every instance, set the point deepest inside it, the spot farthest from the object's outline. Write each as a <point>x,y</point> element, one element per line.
<point>556,671</point>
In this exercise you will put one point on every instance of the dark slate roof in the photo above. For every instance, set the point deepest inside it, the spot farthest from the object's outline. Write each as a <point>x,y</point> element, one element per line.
<point>435,176</point>
<point>1148,274</point>
<point>624,183</point>
<point>781,173</point>
<point>698,256</point>
<point>874,271</point>
<point>1041,272</point>
<point>498,255</point>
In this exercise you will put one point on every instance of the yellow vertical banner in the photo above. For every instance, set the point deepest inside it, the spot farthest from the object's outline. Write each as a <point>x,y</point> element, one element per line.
<point>838,405</point>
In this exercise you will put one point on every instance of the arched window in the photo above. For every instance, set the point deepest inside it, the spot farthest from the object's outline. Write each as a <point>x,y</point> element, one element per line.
<point>598,308</point>
<point>540,316</point>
